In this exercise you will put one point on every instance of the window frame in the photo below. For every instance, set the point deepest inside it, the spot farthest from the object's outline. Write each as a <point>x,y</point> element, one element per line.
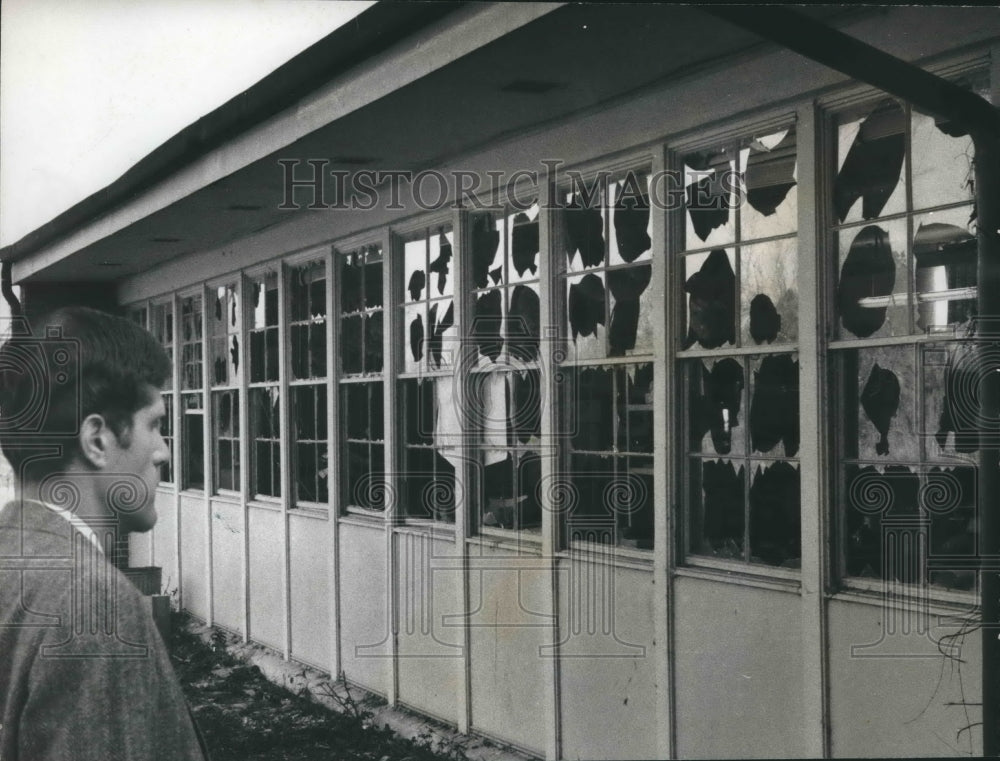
<point>320,383</point>
<point>261,271</point>
<point>850,103</point>
<point>197,395</point>
<point>641,161</point>
<point>427,225</point>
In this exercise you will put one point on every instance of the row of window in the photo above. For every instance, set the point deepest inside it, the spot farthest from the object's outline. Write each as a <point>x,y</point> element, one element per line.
<point>901,267</point>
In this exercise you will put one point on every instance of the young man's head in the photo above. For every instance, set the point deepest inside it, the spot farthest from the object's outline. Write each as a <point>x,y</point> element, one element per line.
<point>80,402</point>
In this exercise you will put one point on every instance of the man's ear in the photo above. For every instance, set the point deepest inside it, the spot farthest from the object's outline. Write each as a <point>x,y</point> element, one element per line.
<point>94,440</point>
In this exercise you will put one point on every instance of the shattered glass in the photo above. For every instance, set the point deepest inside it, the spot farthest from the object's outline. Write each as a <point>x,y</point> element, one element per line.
<point>870,153</point>
<point>769,293</point>
<point>872,298</point>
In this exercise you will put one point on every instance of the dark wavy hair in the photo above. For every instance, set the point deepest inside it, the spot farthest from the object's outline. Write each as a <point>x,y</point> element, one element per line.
<point>71,363</point>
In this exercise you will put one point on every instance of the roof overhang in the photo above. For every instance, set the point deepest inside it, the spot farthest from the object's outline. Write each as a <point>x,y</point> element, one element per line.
<point>403,87</point>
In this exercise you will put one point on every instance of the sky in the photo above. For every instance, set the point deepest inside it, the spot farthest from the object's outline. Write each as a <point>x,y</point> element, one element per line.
<point>89,87</point>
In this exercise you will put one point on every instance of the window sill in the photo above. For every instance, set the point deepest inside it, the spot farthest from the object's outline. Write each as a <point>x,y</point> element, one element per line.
<point>741,574</point>
<point>265,504</point>
<point>310,510</point>
<point>508,541</point>
<point>609,554</point>
<point>906,596</point>
<point>445,532</point>
<point>229,497</point>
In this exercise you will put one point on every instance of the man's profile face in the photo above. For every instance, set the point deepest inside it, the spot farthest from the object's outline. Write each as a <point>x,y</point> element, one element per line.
<point>145,452</point>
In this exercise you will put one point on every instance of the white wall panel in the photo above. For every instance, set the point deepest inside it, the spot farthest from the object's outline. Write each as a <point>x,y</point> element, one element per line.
<point>608,661</point>
<point>194,573</point>
<point>897,694</point>
<point>738,671</point>
<point>227,564</point>
<point>267,609</point>
<point>364,623</point>
<point>310,554</point>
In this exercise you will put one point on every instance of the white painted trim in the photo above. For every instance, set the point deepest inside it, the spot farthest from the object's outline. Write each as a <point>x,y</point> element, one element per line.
<point>548,280</point>
<point>245,441</point>
<point>332,459</point>
<point>664,432</point>
<point>813,455</point>
<point>208,466</point>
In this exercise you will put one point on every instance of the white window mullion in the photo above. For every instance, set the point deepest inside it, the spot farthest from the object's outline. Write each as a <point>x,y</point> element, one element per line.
<point>285,465</point>
<point>392,329</point>
<point>812,426</point>
<point>333,428</point>
<point>666,226</point>
<point>246,441</point>
<point>550,289</point>
<point>207,444</point>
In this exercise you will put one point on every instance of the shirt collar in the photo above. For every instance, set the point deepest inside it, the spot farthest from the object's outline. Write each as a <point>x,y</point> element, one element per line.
<point>76,521</point>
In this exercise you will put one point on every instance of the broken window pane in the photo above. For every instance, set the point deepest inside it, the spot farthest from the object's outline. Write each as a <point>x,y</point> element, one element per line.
<point>942,164</point>
<point>946,258</point>
<point>224,327</point>
<point>591,415</point>
<point>317,350</point>
<point>872,298</point>
<point>415,269</point>
<point>373,277</point>
<point>774,513</point>
<point>308,326</point>
<point>631,224</point>
<point>418,396</point>
<point>523,323</point>
<point>632,502</point>
<point>769,293</point>
<point>487,253</point>
<point>486,408</point>
<point>525,394</point>
<point>429,484</point>
<point>441,334</point>
<point>351,344</point>
<point>497,498</point>
<point>522,230</point>
<point>167,431</point>
<point>414,337</point>
<point>718,496</point>
<point>191,361</point>
<point>356,410</point>
<point>193,433</point>
<point>870,156</point>
<point>710,295</point>
<point>373,342</point>
<point>587,309</point>
<point>635,408</point>
<point>265,428</point>
<point>163,329</point>
<point>716,406</point>
<point>304,411</point>
<point>299,341</point>
<point>631,328</point>
<point>774,405</point>
<point>771,203</point>
<point>439,266</point>
<point>711,186</point>
<point>487,319</point>
<point>949,498</point>
<point>583,227</point>
<point>880,395</point>
<point>226,426</point>
<point>308,410</point>
<point>951,406</point>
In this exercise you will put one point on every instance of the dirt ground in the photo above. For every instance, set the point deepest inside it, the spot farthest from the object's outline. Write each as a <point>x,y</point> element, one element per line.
<point>245,717</point>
